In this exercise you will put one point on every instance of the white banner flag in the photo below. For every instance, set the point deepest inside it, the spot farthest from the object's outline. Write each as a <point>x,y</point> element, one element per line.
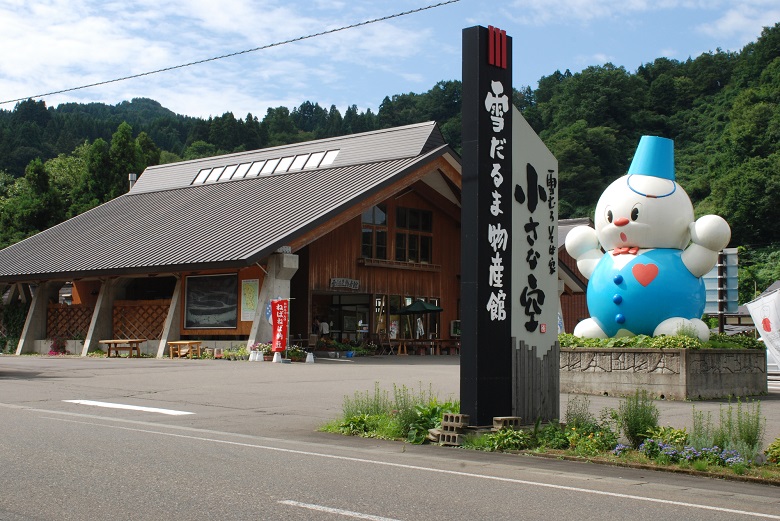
<point>766,316</point>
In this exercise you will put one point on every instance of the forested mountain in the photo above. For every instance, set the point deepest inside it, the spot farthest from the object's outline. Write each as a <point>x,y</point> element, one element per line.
<point>721,108</point>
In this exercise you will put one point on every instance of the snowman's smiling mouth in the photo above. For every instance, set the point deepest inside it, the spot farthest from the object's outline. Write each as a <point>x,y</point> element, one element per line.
<point>623,237</point>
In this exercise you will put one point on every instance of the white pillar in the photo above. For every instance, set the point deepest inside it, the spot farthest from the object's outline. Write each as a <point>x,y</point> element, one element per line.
<point>276,284</point>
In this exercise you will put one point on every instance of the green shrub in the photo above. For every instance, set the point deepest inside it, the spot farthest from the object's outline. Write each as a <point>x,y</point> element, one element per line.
<point>669,435</point>
<point>591,439</point>
<point>509,439</point>
<point>773,452</point>
<point>552,436</point>
<point>675,342</point>
<point>367,402</point>
<point>359,424</point>
<point>578,412</point>
<point>685,339</point>
<point>637,416</point>
<point>742,432</point>
<point>428,417</point>
<point>477,442</point>
<point>723,341</point>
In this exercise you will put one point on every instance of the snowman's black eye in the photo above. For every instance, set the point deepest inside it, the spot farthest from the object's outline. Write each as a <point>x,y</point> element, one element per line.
<point>609,216</point>
<point>635,212</point>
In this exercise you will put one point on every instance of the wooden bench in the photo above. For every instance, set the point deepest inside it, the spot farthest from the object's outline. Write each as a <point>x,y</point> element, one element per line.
<point>123,344</point>
<point>184,348</point>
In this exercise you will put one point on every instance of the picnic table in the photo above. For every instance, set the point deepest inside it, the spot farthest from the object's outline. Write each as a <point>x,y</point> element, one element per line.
<point>184,348</point>
<point>123,344</point>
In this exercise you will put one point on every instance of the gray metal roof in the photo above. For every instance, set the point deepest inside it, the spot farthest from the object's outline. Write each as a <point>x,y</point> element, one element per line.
<point>355,149</point>
<point>165,224</point>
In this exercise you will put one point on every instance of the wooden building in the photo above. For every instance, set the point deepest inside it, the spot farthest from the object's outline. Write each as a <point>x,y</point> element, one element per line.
<point>350,229</point>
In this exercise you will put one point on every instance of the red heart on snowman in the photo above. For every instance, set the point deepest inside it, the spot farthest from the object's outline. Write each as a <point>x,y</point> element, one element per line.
<point>645,273</point>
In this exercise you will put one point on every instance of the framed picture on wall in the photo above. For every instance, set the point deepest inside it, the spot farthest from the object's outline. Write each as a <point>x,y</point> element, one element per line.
<point>211,301</point>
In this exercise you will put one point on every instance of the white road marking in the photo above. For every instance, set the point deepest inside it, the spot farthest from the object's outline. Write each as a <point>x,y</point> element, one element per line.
<point>109,405</point>
<point>347,513</point>
<point>425,469</point>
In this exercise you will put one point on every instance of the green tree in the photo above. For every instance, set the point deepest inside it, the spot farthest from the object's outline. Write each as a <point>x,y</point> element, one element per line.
<point>125,157</point>
<point>33,207</point>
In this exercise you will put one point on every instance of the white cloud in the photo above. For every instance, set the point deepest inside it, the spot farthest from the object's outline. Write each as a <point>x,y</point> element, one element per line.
<point>743,22</point>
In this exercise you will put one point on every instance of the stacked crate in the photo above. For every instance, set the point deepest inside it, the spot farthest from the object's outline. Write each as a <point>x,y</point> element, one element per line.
<point>506,422</point>
<point>453,427</point>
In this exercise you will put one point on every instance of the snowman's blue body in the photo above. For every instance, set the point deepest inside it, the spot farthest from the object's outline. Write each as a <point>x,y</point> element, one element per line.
<point>650,288</point>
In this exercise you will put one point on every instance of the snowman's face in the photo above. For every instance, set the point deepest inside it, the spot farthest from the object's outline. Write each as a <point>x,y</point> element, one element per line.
<point>644,212</point>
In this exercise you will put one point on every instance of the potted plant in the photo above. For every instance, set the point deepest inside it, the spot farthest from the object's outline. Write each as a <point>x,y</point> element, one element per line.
<point>329,346</point>
<point>296,354</point>
<point>58,346</point>
<point>265,351</point>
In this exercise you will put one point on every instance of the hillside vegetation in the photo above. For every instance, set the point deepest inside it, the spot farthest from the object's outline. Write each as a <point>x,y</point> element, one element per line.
<point>721,109</point>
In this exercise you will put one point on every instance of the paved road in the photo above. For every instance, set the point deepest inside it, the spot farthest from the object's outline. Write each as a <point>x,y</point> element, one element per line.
<point>249,450</point>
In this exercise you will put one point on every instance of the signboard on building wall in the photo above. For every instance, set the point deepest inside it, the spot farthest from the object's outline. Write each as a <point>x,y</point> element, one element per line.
<point>487,202</point>
<point>250,289</point>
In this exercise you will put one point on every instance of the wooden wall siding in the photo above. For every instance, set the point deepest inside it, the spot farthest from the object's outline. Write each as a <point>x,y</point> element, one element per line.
<point>537,380</point>
<point>244,327</point>
<point>575,309</point>
<point>68,322</point>
<point>85,292</point>
<point>336,255</point>
<point>440,166</point>
<point>140,318</point>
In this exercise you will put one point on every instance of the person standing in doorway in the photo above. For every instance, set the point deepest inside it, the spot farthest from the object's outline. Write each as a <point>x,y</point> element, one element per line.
<point>324,328</point>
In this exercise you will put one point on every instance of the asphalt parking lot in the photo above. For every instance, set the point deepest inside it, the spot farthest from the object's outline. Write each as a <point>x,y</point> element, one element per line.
<point>271,399</point>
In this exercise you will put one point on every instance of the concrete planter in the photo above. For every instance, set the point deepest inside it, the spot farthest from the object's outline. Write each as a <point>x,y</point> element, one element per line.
<point>675,374</point>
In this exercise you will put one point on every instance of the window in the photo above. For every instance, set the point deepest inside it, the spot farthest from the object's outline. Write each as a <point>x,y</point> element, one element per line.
<point>414,235</point>
<point>374,240</point>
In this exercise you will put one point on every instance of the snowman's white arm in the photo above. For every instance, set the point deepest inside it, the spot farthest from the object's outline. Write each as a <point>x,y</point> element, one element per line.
<point>709,235</point>
<point>582,243</point>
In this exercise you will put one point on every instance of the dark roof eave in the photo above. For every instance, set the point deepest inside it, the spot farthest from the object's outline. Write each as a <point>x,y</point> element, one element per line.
<point>34,278</point>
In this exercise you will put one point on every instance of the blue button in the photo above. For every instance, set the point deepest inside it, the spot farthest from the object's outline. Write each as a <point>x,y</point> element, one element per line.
<point>620,319</point>
<point>617,298</point>
<point>618,279</point>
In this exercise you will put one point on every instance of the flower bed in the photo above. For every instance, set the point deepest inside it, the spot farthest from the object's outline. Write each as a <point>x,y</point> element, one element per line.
<point>690,373</point>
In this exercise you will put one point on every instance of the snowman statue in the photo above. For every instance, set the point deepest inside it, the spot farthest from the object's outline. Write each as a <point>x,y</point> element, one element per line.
<point>649,280</point>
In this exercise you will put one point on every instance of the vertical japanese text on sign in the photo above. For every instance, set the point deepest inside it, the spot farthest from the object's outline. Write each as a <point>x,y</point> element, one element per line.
<point>280,312</point>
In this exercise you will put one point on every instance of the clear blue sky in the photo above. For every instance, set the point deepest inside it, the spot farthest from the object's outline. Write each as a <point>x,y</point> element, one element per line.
<point>57,44</point>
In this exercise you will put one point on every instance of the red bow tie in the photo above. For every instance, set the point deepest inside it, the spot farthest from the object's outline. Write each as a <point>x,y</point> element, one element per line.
<point>623,251</point>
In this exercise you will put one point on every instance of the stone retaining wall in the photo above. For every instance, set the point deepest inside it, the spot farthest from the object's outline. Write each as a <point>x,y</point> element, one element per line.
<point>675,374</point>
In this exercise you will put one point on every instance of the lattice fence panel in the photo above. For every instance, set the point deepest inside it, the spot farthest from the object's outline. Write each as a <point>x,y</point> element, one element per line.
<point>140,318</point>
<point>68,322</point>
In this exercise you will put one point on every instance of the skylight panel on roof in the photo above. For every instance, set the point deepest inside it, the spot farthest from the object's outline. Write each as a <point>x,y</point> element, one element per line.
<point>254,170</point>
<point>314,160</point>
<point>300,160</point>
<point>241,171</point>
<point>269,167</point>
<point>284,164</point>
<point>201,177</point>
<point>228,173</point>
<point>214,175</point>
<point>329,158</point>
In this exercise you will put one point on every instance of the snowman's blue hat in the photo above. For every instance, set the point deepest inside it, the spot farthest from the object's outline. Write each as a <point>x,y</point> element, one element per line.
<point>654,156</point>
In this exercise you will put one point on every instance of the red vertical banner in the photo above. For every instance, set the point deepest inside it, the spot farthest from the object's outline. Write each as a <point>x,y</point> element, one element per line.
<point>280,312</point>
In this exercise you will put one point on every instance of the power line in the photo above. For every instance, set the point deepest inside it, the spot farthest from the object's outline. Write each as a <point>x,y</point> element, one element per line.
<point>215,58</point>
